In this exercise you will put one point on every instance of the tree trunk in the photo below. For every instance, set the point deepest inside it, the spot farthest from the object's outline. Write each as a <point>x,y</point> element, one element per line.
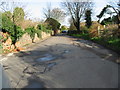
<point>78,26</point>
<point>15,30</point>
<point>78,23</point>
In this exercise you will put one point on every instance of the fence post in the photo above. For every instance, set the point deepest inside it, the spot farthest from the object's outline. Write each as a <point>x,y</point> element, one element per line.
<point>104,26</point>
<point>98,30</point>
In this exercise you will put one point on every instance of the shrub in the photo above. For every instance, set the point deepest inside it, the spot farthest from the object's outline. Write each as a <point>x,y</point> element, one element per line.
<point>111,30</point>
<point>53,23</point>
<point>1,37</point>
<point>1,48</point>
<point>18,35</point>
<point>84,29</point>
<point>44,27</point>
<point>64,28</point>
<point>20,32</point>
<point>93,30</point>
<point>39,26</point>
<point>31,31</point>
<point>8,26</point>
<point>39,33</point>
<point>72,27</point>
<point>1,43</point>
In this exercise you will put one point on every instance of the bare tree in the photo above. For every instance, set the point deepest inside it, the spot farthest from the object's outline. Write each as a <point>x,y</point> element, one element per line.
<point>47,11</point>
<point>55,13</point>
<point>77,10</point>
<point>58,14</point>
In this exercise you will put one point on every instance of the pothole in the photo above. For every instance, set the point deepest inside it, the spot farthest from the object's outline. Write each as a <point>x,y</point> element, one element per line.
<point>66,51</point>
<point>47,57</point>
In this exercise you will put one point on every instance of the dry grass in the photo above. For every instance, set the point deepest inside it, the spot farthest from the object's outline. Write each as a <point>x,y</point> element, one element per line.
<point>28,23</point>
<point>108,30</point>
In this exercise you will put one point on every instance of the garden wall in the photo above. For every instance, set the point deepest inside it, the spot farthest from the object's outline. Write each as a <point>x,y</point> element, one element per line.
<point>23,41</point>
<point>26,39</point>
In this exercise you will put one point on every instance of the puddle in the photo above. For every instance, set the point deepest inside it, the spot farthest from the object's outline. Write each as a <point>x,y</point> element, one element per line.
<point>66,51</point>
<point>47,57</point>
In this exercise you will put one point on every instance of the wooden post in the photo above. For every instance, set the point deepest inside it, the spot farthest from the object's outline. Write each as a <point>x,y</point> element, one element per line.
<point>98,30</point>
<point>104,26</point>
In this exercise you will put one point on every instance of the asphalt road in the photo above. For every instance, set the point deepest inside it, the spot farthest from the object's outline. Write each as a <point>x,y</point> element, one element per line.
<point>62,62</point>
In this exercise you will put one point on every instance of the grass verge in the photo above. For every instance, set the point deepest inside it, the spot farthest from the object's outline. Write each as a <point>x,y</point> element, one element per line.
<point>112,43</point>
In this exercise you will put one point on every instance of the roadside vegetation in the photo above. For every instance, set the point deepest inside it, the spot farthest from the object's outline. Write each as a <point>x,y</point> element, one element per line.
<point>15,25</point>
<point>105,32</point>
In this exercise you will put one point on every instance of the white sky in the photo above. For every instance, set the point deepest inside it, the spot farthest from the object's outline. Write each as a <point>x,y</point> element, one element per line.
<point>35,7</point>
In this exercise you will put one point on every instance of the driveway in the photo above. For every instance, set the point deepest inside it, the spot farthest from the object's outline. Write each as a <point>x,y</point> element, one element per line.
<point>62,62</point>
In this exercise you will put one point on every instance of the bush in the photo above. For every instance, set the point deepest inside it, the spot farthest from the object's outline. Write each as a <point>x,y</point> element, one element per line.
<point>39,26</point>
<point>1,48</point>
<point>72,27</point>
<point>18,35</point>
<point>111,30</point>
<point>53,23</point>
<point>44,27</point>
<point>39,33</point>
<point>1,38</point>
<point>84,29</point>
<point>93,30</point>
<point>1,43</point>
<point>20,32</point>
<point>31,31</point>
<point>8,26</point>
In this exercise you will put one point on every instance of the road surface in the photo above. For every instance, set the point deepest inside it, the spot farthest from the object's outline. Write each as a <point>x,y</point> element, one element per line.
<point>62,62</point>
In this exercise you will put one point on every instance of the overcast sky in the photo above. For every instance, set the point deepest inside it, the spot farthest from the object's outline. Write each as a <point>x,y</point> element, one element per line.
<point>35,7</point>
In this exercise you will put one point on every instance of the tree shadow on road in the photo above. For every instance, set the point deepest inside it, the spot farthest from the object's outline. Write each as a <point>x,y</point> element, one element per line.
<point>35,68</point>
